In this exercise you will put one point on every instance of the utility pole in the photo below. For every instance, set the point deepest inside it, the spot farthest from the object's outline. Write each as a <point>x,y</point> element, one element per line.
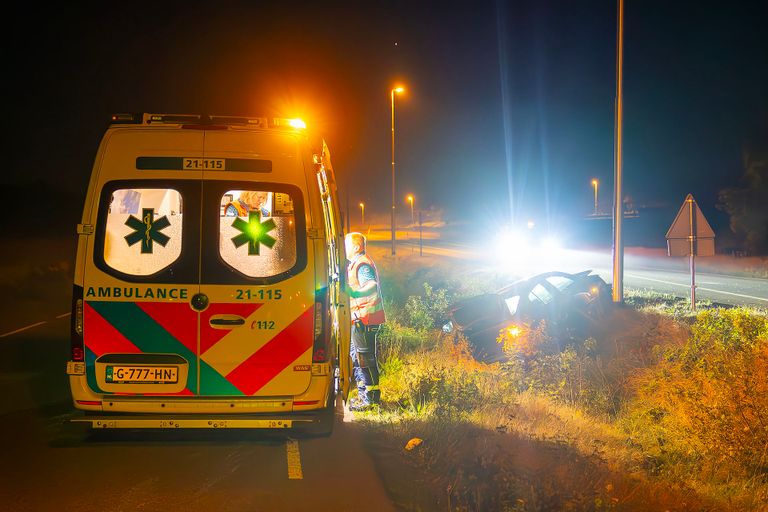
<point>618,204</point>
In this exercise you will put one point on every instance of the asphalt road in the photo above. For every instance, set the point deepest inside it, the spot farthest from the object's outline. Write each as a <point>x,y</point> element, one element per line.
<point>48,464</point>
<point>719,288</point>
<point>643,269</point>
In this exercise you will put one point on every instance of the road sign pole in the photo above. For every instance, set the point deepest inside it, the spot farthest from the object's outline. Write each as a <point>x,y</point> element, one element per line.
<point>692,238</point>
<point>421,242</point>
<point>693,282</point>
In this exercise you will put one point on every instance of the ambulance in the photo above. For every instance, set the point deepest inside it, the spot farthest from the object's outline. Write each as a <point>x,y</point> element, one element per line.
<point>207,288</point>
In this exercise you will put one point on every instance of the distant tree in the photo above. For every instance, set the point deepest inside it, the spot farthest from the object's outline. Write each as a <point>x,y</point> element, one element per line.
<point>747,205</point>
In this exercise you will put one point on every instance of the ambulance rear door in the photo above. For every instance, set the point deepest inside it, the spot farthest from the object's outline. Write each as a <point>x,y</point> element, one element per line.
<point>257,330</point>
<point>142,265</point>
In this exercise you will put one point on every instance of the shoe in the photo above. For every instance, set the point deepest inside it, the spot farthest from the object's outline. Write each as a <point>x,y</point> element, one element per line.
<point>357,405</point>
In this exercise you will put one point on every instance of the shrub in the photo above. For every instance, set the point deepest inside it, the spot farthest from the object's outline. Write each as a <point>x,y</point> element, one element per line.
<point>427,311</point>
<point>705,404</point>
<point>573,375</point>
<point>443,381</point>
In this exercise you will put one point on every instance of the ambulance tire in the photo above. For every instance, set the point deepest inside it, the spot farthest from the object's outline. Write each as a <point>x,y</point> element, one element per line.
<point>326,419</point>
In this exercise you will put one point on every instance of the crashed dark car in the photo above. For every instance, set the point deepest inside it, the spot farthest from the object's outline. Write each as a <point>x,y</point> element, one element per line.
<point>569,304</point>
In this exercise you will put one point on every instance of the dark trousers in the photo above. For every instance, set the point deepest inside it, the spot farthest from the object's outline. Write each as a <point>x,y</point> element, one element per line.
<point>365,368</point>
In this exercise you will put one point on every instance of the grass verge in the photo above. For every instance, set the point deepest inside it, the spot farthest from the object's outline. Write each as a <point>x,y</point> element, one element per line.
<point>658,409</point>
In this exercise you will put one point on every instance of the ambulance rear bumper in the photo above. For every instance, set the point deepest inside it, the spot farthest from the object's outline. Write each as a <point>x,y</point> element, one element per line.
<point>205,422</point>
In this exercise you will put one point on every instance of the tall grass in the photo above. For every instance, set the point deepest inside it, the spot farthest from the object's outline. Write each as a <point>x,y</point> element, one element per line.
<point>676,398</point>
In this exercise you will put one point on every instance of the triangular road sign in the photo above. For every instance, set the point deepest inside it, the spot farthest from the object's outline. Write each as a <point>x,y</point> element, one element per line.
<point>681,227</point>
<point>690,223</point>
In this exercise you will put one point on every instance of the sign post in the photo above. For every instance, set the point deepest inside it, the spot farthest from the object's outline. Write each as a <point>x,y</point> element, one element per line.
<point>421,240</point>
<point>691,235</point>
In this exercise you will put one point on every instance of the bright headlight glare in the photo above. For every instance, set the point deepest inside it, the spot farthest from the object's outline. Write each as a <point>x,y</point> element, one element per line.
<point>508,242</point>
<point>551,243</point>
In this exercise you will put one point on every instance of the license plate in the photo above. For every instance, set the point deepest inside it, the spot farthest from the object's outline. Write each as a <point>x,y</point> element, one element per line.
<point>142,374</point>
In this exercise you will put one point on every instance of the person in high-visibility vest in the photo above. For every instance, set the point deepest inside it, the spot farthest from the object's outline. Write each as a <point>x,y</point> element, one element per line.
<point>248,201</point>
<point>367,312</point>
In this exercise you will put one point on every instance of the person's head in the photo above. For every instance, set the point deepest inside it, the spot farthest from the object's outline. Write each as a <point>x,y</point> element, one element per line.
<point>354,243</point>
<point>254,199</point>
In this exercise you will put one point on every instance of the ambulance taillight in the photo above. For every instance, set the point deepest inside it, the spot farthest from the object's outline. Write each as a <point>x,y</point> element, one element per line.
<point>76,332</point>
<point>320,346</point>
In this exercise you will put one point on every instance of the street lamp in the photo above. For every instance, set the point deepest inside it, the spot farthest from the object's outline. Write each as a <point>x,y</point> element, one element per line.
<point>362,214</point>
<point>594,184</point>
<point>392,102</point>
<point>410,200</point>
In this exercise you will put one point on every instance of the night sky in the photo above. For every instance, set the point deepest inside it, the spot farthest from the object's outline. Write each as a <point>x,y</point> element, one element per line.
<point>509,105</point>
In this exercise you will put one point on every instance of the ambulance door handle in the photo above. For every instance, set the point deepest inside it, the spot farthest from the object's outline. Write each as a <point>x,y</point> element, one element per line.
<point>224,321</point>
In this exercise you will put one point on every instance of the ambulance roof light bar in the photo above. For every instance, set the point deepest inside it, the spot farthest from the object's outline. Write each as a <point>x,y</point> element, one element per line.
<point>255,122</point>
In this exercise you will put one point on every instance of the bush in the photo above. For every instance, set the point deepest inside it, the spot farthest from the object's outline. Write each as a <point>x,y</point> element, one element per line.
<point>705,404</point>
<point>444,381</point>
<point>427,311</point>
<point>574,375</point>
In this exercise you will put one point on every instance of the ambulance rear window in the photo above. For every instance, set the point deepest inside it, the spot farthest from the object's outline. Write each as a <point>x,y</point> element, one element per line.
<point>257,232</point>
<point>143,230</point>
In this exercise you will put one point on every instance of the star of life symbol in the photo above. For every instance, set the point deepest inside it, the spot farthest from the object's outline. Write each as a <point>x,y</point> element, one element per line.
<point>254,232</point>
<point>147,230</point>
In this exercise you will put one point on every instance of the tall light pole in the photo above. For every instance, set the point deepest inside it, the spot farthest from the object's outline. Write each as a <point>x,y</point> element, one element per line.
<point>392,101</point>
<point>410,200</point>
<point>618,204</point>
<point>594,184</point>
<point>362,215</point>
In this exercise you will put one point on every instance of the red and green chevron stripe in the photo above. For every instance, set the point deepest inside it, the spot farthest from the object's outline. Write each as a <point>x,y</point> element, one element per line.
<point>163,327</point>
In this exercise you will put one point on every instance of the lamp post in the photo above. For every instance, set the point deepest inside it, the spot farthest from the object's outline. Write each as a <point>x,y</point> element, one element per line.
<point>362,215</point>
<point>410,200</point>
<point>392,102</point>
<point>617,293</point>
<point>594,184</point>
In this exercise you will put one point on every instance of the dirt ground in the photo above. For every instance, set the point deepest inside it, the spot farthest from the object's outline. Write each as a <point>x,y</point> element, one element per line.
<point>475,469</point>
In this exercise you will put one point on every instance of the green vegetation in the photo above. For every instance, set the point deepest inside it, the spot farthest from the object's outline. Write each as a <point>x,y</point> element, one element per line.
<point>702,408</point>
<point>658,408</point>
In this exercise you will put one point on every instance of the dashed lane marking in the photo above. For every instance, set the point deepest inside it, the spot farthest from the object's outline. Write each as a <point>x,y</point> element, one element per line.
<point>294,460</point>
<point>32,326</point>
<point>23,329</point>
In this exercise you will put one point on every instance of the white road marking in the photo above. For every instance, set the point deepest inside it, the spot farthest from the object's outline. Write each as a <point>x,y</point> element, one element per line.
<point>699,288</point>
<point>63,315</point>
<point>294,460</point>
<point>23,329</point>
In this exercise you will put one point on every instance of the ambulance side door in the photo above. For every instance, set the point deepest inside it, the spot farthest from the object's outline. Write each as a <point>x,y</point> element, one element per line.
<point>339,301</point>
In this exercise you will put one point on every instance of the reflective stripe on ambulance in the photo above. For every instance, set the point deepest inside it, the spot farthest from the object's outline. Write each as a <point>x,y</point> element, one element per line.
<point>237,362</point>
